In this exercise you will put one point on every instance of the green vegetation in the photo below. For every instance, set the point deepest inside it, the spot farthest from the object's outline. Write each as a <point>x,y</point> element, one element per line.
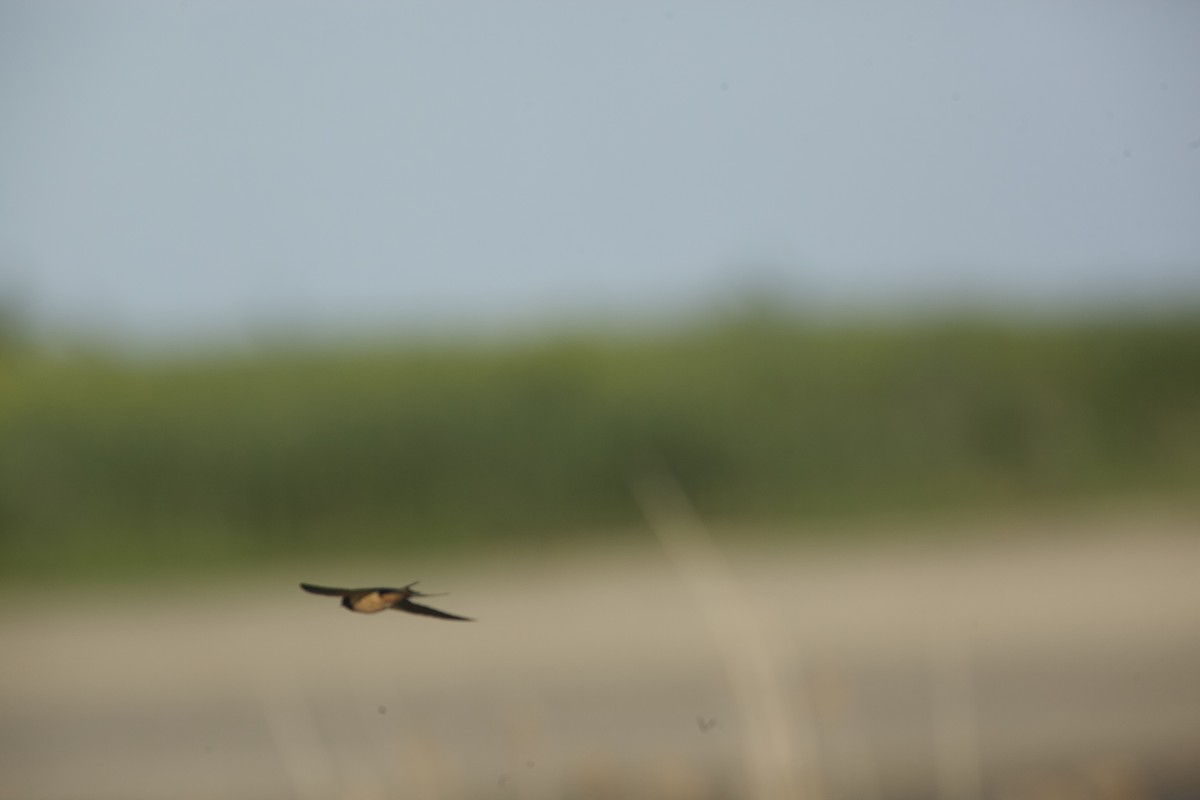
<point>110,461</point>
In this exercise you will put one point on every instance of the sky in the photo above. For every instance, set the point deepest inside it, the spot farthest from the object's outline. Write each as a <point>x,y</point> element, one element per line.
<point>184,170</point>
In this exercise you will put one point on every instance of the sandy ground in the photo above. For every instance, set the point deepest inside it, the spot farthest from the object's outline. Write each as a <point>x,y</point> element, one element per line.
<point>948,668</point>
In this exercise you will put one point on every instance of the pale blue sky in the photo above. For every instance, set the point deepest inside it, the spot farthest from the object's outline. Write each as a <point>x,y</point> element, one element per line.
<point>174,169</point>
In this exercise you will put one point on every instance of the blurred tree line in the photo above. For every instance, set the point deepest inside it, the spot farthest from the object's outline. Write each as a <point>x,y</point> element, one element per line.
<point>109,461</point>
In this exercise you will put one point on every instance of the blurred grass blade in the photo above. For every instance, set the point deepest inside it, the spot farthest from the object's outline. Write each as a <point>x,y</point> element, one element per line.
<point>772,753</point>
<point>955,727</point>
<point>304,755</point>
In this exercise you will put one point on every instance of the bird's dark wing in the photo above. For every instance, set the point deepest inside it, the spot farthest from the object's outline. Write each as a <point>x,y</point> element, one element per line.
<point>314,589</point>
<point>414,608</point>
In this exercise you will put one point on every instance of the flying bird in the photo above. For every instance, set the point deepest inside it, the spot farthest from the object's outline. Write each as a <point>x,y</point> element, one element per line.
<point>372,601</point>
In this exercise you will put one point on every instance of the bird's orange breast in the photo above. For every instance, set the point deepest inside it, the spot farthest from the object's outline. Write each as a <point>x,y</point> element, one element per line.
<point>372,603</point>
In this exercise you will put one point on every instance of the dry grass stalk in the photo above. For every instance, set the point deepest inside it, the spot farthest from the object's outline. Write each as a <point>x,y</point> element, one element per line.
<point>771,749</point>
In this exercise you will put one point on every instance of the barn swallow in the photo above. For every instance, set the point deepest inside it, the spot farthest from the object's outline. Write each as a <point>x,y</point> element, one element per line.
<point>371,601</point>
